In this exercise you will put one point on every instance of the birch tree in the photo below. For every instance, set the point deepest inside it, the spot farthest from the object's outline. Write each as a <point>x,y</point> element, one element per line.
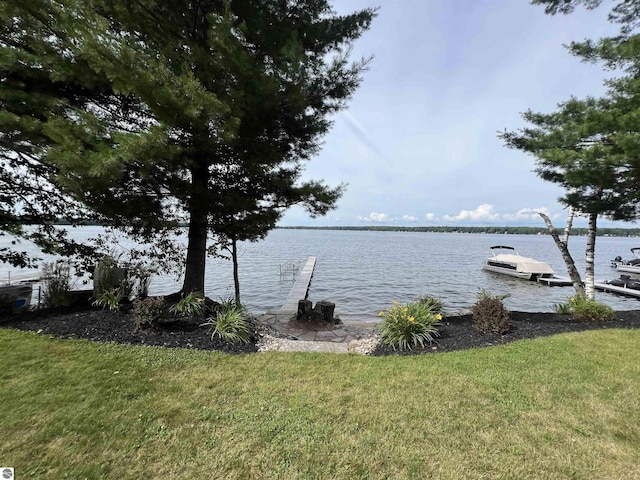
<point>591,146</point>
<point>563,246</point>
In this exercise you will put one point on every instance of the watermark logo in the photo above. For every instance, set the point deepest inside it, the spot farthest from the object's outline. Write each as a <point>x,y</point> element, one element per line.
<point>7,473</point>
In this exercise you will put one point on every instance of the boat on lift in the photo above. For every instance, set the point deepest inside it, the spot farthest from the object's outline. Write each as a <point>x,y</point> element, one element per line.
<point>506,260</point>
<point>628,266</point>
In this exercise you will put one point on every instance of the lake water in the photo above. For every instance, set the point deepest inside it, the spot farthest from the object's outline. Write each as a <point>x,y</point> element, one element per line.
<point>364,272</point>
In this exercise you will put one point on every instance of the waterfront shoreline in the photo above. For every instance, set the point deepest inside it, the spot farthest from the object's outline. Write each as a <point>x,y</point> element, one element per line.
<point>456,332</point>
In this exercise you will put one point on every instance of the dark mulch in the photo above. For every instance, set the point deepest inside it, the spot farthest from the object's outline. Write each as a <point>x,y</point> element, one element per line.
<point>458,333</point>
<point>106,326</point>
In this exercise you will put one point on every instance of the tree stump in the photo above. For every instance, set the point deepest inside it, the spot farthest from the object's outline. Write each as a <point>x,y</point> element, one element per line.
<point>324,310</point>
<point>304,309</point>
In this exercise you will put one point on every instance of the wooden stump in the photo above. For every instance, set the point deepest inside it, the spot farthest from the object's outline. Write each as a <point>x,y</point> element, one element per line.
<point>324,310</point>
<point>304,309</point>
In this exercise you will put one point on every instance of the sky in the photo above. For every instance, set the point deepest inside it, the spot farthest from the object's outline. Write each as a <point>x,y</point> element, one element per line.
<point>418,143</point>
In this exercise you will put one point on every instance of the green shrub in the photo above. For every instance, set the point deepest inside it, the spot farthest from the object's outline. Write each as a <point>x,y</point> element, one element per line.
<point>110,299</point>
<point>140,279</point>
<point>229,324</point>
<point>148,311</point>
<point>562,308</point>
<point>56,284</point>
<point>109,275</point>
<point>191,305</point>
<point>407,326</point>
<point>582,308</point>
<point>435,304</point>
<point>489,312</point>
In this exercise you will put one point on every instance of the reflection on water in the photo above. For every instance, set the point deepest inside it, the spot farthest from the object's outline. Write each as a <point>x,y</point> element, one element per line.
<point>363,272</point>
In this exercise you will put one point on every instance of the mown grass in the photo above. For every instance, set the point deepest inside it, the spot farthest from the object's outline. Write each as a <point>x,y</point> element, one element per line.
<point>558,407</point>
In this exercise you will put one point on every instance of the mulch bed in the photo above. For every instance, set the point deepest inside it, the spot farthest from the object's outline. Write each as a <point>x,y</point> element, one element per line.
<point>107,326</point>
<point>457,333</point>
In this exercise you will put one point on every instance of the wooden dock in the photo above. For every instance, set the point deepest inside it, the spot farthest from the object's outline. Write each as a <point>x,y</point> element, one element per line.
<point>9,277</point>
<point>556,281</point>
<point>300,287</point>
<point>606,287</point>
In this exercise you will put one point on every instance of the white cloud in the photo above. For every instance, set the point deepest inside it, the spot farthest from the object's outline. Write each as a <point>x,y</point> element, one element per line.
<point>409,218</point>
<point>484,213</point>
<point>376,217</point>
<point>525,214</point>
<point>430,217</point>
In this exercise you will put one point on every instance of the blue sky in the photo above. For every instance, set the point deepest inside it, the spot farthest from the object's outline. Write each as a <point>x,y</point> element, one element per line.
<point>418,143</point>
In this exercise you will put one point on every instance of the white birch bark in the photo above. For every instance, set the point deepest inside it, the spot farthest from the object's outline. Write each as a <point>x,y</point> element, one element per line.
<point>568,225</point>
<point>562,245</point>
<point>590,290</point>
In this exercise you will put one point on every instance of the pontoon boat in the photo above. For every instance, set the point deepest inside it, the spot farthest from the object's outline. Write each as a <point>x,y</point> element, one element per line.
<point>509,262</point>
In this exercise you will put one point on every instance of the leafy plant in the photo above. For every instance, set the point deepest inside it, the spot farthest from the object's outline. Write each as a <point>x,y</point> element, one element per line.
<point>410,325</point>
<point>562,308</point>
<point>109,275</point>
<point>435,304</point>
<point>140,278</point>
<point>110,299</point>
<point>582,308</point>
<point>56,284</point>
<point>489,312</point>
<point>484,293</point>
<point>229,324</point>
<point>191,305</point>
<point>147,311</point>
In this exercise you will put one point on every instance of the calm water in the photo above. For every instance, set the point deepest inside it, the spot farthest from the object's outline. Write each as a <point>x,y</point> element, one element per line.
<point>363,272</point>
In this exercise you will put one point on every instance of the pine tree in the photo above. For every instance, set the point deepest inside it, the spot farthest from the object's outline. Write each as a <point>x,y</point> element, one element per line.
<point>592,146</point>
<point>192,111</point>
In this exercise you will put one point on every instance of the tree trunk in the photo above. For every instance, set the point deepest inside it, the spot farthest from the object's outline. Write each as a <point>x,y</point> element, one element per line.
<point>197,237</point>
<point>236,278</point>
<point>568,225</point>
<point>574,275</point>
<point>590,290</point>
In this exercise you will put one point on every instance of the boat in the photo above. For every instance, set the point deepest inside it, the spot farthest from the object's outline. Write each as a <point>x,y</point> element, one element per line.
<point>506,260</point>
<point>628,266</point>
<point>625,281</point>
<point>16,297</point>
<point>625,285</point>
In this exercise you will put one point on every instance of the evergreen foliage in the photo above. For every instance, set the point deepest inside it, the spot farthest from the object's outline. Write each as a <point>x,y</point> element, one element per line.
<point>158,112</point>
<point>591,146</point>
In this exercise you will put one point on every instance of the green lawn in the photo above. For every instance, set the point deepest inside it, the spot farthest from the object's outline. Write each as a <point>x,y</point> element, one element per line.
<point>560,407</point>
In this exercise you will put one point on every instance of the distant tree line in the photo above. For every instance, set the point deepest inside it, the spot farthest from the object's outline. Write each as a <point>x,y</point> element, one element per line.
<point>612,232</point>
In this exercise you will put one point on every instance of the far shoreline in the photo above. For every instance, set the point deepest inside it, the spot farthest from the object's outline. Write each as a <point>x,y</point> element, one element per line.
<point>490,230</point>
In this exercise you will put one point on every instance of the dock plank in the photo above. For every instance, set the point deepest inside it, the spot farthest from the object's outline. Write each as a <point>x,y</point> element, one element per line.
<point>10,277</point>
<point>300,288</point>
<point>606,287</point>
<point>556,281</point>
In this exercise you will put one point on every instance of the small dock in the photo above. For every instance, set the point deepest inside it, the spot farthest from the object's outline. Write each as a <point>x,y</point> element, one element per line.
<point>556,281</point>
<point>300,287</point>
<point>606,287</point>
<point>9,278</point>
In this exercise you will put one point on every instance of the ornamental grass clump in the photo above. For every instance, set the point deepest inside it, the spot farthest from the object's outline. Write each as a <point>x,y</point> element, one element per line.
<point>580,307</point>
<point>489,313</point>
<point>192,305</point>
<point>56,284</point>
<point>229,324</point>
<point>110,299</point>
<point>408,326</point>
<point>435,304</point>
